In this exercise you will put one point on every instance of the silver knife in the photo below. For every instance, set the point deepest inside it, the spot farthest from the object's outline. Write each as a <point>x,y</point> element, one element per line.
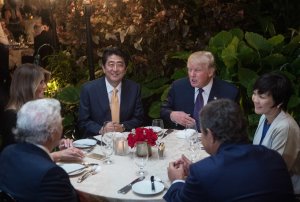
<point>167,133</point>
<point>125,189</point>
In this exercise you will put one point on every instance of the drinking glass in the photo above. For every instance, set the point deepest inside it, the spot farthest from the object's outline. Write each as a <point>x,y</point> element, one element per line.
<point>140,156</point>
<point>190,132</point>
<point>158,123</point>
<point>107,144</point>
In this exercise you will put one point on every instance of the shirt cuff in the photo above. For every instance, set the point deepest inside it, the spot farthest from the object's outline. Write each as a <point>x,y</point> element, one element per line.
<point>175,181</point>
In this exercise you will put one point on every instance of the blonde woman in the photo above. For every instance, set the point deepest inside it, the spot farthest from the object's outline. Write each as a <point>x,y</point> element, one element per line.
<point>29,82</point>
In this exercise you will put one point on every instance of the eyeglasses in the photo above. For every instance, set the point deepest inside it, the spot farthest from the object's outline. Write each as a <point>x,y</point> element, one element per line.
<point>118,65</point>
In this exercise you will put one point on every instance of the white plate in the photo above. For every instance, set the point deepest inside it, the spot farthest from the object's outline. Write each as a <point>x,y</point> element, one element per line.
<point>182,134</point>
<point>155,128</point>
<point>144,187</point>
<point>69,167</point>
<point>84,143</point>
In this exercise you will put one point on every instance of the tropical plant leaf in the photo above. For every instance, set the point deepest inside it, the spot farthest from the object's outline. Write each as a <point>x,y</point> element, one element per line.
<point>154,110</point>
<point>258,42</point>
<point>275,60</point>
<point>276,40</point>
<point>247,78</point>
<point>229,54</point>
<point>221,40</point>
<point>238,33</point>
<point>69,95</point>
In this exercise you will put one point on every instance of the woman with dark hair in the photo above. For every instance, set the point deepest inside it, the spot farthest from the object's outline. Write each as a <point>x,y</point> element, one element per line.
<point>277,129</point>
<point>29,82</point>
<point>13,18</point>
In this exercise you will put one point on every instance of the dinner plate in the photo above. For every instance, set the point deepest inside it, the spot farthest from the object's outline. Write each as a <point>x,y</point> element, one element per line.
<point>182,134</point>
<point>84,143</point>
<point>144,187</point>
<point>155,128</point>
<point>71,167</point>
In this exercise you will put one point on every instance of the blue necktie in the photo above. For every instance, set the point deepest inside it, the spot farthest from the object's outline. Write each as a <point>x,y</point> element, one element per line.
<point>197,107</point>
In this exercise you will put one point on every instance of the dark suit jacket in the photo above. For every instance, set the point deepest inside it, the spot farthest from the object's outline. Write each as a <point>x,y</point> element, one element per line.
<point>94,107</point>
<point>28,174</point>
<point>235,173</point>
<point>181,98</point>
<point>45,37</point>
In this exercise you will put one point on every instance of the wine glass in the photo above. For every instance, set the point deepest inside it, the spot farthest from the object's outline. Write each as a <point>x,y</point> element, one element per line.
<point>158,124</point>
<point>107,143</point>
<point>140,156</point>
<point>190,132</point>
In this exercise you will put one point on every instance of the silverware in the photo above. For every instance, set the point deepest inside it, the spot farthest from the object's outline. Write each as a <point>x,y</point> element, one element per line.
<point>152,183</point>
<point>125,189</point>
<point>79,169</point>
<point>92,171</point>
<point>167,133</point>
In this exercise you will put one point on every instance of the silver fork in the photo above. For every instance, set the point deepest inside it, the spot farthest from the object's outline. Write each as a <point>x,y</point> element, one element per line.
<point>86,174</point>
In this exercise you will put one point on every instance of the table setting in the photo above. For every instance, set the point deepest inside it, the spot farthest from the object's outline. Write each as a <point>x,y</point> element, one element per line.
<point>122,179</point>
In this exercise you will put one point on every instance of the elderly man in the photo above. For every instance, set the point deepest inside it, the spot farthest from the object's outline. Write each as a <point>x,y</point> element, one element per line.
<point>27,171</point>
<point>235,171</point>
<point>111,98</point>
<point>188,95</point>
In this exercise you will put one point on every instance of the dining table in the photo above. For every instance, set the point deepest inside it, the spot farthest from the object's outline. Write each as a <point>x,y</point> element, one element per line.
<point>17,51</point>
<point>123,170</point>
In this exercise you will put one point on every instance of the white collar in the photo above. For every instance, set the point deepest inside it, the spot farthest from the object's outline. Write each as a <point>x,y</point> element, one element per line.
<point>110,88</point>
<point>206,89</point>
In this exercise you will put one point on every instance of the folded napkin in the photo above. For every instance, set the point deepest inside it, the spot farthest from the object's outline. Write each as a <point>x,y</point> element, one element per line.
<point>182,134</point>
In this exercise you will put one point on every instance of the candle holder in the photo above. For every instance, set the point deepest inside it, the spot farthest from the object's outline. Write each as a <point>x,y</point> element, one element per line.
<point>120,145</point>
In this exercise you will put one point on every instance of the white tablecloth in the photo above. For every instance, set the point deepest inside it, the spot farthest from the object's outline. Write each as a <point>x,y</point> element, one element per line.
<point>123,170</point>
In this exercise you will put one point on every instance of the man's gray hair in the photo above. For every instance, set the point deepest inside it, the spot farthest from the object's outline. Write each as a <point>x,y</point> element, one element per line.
<point>37,119</point>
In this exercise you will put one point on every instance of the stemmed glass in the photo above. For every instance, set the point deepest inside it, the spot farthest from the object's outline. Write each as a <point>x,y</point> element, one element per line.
<point>107,144</point>
<point>158,123</point>
<point>190,131</point>
<point>140,156</point>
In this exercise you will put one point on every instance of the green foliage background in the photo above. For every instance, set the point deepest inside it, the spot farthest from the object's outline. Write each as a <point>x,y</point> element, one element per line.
<point>248,39</point>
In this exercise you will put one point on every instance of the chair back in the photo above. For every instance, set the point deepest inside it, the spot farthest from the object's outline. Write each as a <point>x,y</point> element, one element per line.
<point>6,197</point>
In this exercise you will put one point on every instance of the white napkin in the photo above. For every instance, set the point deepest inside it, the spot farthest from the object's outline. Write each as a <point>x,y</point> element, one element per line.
<point>182,134</point>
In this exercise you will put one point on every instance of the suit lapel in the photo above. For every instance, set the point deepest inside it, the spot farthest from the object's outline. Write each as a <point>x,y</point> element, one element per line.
<point>124,99</point>
<point>102,97</point>
<point>213,95</point>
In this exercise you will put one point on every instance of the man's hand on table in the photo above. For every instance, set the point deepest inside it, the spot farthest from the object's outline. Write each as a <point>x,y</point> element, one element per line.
<point>112,127</point>
<point>182,118</point>
<point>179,169</point>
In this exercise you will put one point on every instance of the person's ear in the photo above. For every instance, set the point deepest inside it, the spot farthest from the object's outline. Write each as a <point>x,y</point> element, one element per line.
<point>279,106</point>
<point>210,136</point>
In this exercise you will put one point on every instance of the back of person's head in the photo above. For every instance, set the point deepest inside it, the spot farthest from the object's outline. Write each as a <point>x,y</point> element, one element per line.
<point>224,118</point>
<point>276,85</point>
<point>37,120</point>
<point>196,57</point>
<point>25,81</point>
<point>114,51</point>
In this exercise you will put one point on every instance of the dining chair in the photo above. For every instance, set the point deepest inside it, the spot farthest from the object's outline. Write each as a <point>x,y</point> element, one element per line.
<point>6,197</point>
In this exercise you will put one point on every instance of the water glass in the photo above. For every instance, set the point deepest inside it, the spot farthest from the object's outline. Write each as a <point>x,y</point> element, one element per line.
<point>140,156</point>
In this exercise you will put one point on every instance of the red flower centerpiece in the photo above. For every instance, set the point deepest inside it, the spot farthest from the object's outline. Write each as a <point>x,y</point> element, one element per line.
<point>142,134</point>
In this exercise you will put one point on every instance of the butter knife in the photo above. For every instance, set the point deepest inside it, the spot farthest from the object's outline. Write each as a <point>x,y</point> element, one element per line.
<point>167,133</point>
<point>126,189</point>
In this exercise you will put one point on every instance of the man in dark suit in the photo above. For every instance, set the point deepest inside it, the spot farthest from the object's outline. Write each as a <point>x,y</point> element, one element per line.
<point>179,110</point>
<point>27,171</point>
<point>235,171</point>
<point>96,98</point>
<point>45,43</point>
